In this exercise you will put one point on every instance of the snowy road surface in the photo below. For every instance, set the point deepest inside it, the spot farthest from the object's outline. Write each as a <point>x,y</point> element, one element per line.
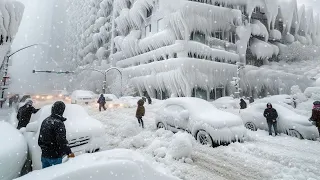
<point>260,157</point>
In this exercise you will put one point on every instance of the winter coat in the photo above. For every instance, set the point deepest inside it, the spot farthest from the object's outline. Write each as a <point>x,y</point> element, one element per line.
<point>251,100</point>
<point>316,116</point>
<point>52,137</point>
<point>243,104</point>
<point>102,100</point>
<point>270,114</point>
<point>140,109</point>
<point>24,115</point>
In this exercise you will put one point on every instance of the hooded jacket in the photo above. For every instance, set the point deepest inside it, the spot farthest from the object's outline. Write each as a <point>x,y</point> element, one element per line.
<point>140,110</point>
<point>270,114</point>
<point>24,114</point>
<point>102,99</point>
<point>316,115</point>
<point>52,137</point>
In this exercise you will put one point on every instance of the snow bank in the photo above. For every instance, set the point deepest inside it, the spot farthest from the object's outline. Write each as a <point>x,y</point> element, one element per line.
<point>263,50</point>
<point>317,83</point>
<point>289,38</point>
<point>275,34</point>
<point>258,29</point>
<point>13,151</point>
<point>181,146</point>
<point>116,164</point>
<point>311,91</point>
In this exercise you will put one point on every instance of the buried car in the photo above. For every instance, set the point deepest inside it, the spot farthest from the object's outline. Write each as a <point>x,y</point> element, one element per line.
<point>205,122</point>
<point>116,164</point>
<point>84,133</point>
<point>288,121</point>
<point>12,152</point>
<point>82,97</point>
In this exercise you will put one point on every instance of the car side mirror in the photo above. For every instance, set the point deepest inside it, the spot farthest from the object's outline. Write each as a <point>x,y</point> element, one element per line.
<point>184,114</point>
<point>32,127</point>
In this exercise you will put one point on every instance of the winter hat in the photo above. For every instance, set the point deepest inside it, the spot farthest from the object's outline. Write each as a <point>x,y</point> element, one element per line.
<point>29,102</point>
<point>58,108</point>
<point>316,103</point>
<point>269,104</point>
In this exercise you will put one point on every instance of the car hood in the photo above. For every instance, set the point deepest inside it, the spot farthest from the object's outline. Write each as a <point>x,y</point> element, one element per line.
<point>298,119</point>
<point>87,126</point>
<point>218,119</point>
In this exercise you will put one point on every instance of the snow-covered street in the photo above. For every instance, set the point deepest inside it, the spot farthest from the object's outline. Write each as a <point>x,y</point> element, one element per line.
<point>259,157</point>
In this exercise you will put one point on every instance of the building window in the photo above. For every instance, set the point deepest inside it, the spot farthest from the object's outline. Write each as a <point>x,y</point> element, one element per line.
<point>243,9</point>
<point>232,37</point>
<point>149,12</point>
<point>199,93</point>
<point>257,10</point>
<point>198,36</point>
<point>148,30</point>
<point>217,4</point>
<point>161,25</point>
<point>218,35</point>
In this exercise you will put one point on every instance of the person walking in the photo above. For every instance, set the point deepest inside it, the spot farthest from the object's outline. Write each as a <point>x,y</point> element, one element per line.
<point>140,112</point>
<point>24,114</point>
<point>102,102</point>
<point>243,104</point>
<point>271,115</point>
<point>52,137</point>
<point>251,100</point>
<point>316,115</point>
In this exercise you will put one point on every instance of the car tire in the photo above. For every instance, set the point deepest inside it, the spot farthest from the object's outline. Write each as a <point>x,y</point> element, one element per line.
<point>161,125</point>
<point>204,138</point>
<point>251,126</point>
<point>294,133</point>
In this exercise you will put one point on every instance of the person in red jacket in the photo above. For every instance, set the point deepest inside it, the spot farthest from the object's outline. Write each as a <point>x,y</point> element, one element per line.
<point>316,114</point>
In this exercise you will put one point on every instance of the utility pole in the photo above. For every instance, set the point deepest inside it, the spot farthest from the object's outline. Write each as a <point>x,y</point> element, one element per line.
<point>5,67</point>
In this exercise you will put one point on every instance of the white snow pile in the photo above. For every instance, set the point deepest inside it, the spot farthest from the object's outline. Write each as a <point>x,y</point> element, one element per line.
<point>263,50</point>
<point>180,146</point>
<point>317,83</point>
<point>275,34</point>
<point>116,164</point>
<point>312,92</point>
<point>258,29</point>
<point>13,151</point>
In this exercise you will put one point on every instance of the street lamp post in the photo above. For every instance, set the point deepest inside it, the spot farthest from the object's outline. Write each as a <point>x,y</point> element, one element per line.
<point>5,65</point>
<point>104,73</point>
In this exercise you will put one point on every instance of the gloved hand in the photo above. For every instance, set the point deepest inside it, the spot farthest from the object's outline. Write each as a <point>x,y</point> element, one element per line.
<point>274,121</point>
<point>71,155</point>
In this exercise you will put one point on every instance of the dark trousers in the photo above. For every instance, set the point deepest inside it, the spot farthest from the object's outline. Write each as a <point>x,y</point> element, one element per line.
<point>102,105</point>
<point>47,162</point>
<point>274,124</point>
<point>140,121</point>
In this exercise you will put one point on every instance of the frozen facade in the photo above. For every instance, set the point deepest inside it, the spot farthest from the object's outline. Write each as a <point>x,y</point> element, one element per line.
<point>10,18</point>
<point>190,48</point>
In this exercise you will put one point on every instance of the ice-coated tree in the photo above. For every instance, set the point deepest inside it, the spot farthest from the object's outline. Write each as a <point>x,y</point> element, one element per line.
<point>122,87</point>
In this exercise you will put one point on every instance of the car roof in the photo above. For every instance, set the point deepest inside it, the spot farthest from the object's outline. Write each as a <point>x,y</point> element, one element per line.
<point>190,103</point>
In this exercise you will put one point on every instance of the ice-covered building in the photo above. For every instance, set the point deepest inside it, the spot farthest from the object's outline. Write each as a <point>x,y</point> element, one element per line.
<point>11,12</point>
<point>190,48</point>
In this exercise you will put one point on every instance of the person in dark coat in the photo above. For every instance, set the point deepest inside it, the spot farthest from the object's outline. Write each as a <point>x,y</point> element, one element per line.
<point>140,112</point>
<point>243,104</point>
<point>251,100</point>
<point>271,115</point>
<point>52,137</point>
<point>102,102</point>
<point>149,100</point>
<point>316,115</point>
<point>24,114</point>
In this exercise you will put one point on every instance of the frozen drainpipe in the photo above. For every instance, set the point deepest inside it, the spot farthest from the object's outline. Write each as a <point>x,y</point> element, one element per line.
<point>113,63</point>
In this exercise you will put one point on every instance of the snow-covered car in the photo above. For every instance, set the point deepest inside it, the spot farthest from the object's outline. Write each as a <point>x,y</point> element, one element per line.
<point>84,133</point>
<point>312,91</point>
<point>82,97</point>
<point>130,101</point>
<point>12,152</point>
<point>283,99</point>
<point>206,123</point>
<point>42,97</point>
<point>113,102</point>
<point>288,121</point>
<point>116,164</point>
